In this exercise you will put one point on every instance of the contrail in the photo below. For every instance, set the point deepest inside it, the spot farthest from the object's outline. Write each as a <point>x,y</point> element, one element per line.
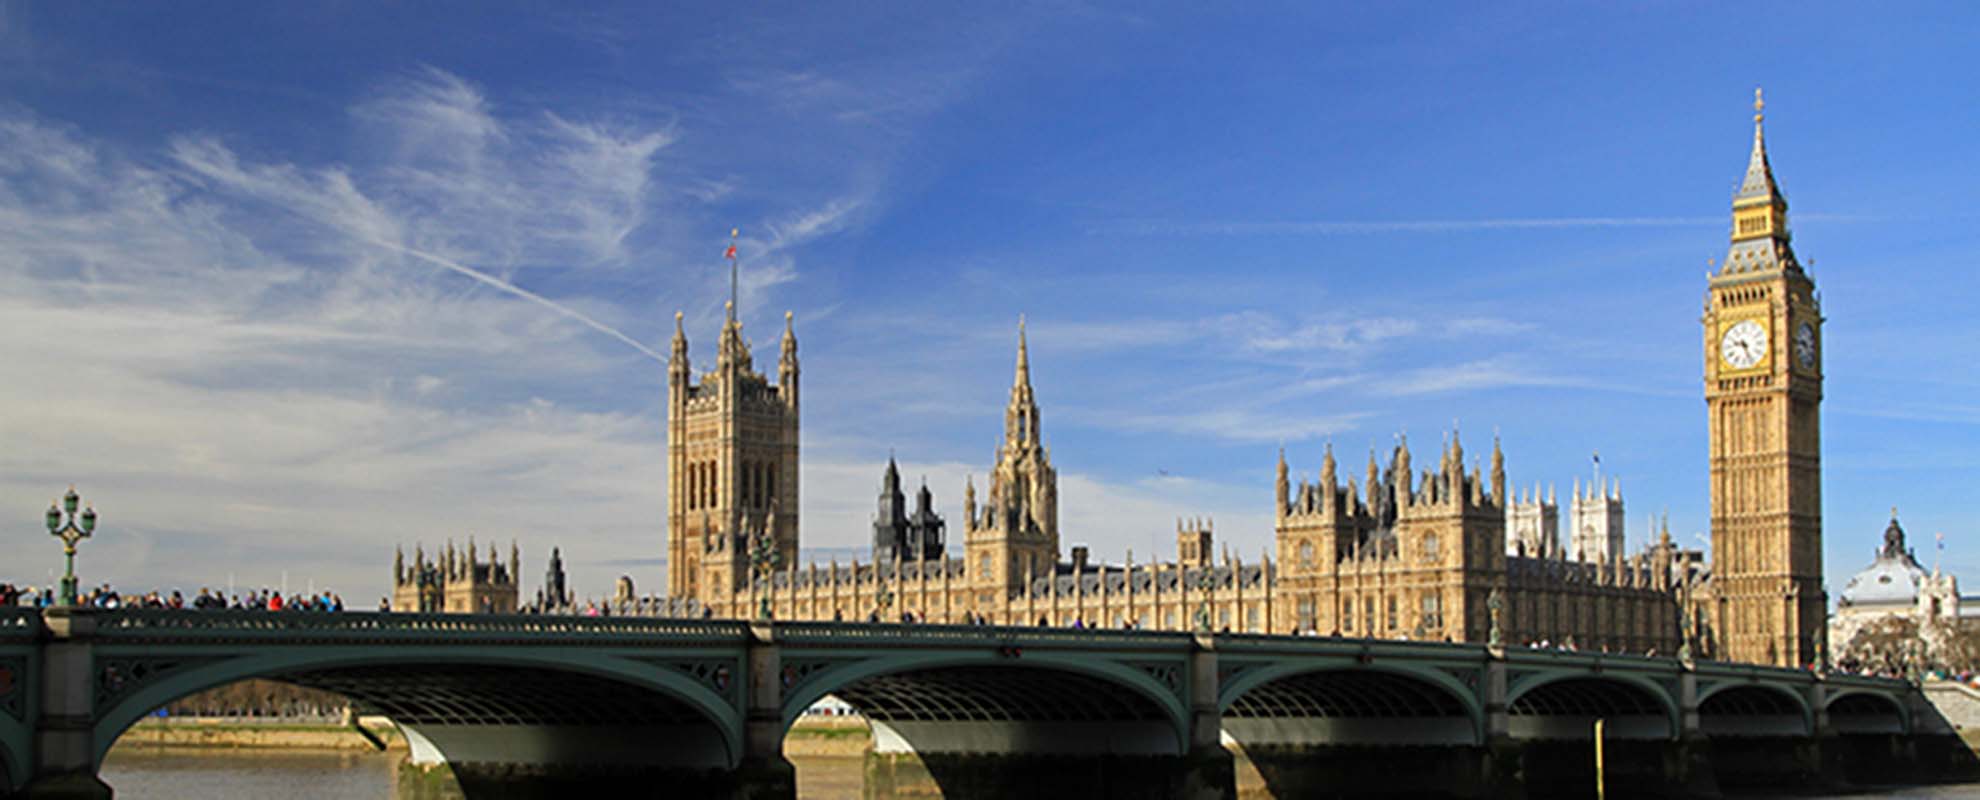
<point>505,286</point>
<point>1338,227</point>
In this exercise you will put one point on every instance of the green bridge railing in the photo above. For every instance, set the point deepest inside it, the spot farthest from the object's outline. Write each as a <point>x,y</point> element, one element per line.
<point>183,625</point>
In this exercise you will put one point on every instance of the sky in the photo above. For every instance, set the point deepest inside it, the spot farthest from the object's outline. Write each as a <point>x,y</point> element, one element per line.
<point>286,286</point>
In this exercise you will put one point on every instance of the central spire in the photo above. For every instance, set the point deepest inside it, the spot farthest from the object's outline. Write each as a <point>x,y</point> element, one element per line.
<point>1021,418</point>
<point>1760,229</point>
<point>1759,185</point>
<point>1023,378</point>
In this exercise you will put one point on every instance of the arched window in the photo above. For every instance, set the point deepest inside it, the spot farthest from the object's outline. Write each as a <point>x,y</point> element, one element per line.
<point>1430,547</point>
<point>1306,554</point>
<point>983,566</point>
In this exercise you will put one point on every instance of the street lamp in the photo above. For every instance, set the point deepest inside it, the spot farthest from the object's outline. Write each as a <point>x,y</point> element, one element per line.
<point>1207,582</point>
<point>764,559</point>
<point>75,529</point>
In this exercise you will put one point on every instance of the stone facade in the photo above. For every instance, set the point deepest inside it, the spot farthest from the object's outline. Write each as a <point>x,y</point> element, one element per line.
<point>1533,524</point>
<point>1408,557</point>
<point>1596,520</point>
<point>458,583</point>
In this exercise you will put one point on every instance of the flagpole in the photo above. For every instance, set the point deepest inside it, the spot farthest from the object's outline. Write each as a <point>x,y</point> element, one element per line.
<point>735,295</point>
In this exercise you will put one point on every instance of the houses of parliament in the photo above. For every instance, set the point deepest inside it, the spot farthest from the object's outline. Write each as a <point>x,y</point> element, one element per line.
<point>1414,544</point>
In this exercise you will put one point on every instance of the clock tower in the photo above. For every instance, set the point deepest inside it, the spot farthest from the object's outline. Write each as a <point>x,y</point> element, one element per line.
<point>1763,392</point>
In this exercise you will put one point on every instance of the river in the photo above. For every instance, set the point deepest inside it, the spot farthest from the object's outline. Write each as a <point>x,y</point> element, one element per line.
<point>168,775</point>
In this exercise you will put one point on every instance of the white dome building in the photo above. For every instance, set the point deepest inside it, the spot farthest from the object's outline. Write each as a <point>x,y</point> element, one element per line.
<point>1895,587</point>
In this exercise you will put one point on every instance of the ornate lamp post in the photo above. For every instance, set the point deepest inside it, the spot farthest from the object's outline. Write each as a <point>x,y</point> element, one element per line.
<point>1206,581</point>
<point>72,530</point>
<point>763,561</point>
<point>1495,603</point>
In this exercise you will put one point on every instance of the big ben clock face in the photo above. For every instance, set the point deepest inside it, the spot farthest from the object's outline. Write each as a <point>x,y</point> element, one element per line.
<point>1804,344</point>
<point>1743,345</point>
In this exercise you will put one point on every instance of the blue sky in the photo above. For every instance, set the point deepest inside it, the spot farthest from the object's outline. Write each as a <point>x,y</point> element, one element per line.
<point>252,263</point>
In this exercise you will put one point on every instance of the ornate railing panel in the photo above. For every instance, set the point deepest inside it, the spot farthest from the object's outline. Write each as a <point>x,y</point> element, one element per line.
<point>19,623</point>
<point>947,635</point>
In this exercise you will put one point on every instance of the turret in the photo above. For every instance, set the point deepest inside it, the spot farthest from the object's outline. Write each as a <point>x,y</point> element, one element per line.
<point>1498,473</point>
<point>677,362</point>
<point>1405,486</point>
<point>1374,478</point>
<point>969,502</point>
<point>1283,487</point>
<point>787,365</point>
<point>1327,489</point>
<point>399,566</point>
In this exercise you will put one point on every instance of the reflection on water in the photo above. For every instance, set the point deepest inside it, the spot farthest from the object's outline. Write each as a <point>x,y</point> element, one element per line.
<point>177,773</point>
<point>172,774</point>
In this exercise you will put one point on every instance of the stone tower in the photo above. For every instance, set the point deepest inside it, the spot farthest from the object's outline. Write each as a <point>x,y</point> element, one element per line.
<point>1763,392</point>
<point>732,461</point>
<point>1016,534</point>
<point>1533,524</point>
<point>899,534</point>
<point>1596,517</point>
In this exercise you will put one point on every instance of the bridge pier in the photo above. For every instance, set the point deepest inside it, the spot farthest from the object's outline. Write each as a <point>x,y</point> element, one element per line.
<point>63,764</point>
<point>764,773</point>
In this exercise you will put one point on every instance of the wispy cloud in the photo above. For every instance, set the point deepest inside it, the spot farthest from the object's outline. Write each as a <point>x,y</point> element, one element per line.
<point>277,364</point>
<point>1241,425</point>
<point>1491,373</point>
<point>1372,227</point>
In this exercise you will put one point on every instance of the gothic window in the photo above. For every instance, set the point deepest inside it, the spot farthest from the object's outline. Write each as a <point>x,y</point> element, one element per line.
<point>1223,618</point>
<point>1306,554</point>
<point>1347,615</point>
<point>1169,619</point>
<point>1368,614</point>
<point>1433,611</point>
<point>1251,619</point>
<point>1306,620</point>
<point>1430,547</point>
<point>983,566</point>
<point>1392,612</point>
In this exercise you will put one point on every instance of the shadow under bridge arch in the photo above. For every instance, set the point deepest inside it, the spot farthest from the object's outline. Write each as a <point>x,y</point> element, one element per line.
<point>1044,704</point>
<point>1754,710</point>
<point>1351,705</point>
<point>534,712</point>
<point>1566,707</point>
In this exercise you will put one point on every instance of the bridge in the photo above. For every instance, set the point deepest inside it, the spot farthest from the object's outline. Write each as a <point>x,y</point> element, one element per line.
<point>537,705</point>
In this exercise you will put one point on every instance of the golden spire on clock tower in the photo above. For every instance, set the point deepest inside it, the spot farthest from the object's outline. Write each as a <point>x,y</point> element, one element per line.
<point>1760,230</point>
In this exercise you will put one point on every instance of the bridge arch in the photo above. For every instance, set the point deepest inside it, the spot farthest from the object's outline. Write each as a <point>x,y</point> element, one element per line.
<point>1564,704</point>
<point>978,702</point>
<point>1754,708</point>
<point>1416,705</point>
<point>1868,711</point>
<point>647,697</point>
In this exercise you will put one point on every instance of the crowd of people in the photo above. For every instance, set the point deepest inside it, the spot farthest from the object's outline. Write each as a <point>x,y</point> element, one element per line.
<point>105,596</point>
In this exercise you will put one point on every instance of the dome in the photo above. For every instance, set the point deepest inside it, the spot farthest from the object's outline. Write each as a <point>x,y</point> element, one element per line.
<point>1892,578</point>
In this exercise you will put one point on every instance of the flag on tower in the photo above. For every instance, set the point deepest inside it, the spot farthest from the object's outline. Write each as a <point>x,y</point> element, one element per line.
<point>730,253</point>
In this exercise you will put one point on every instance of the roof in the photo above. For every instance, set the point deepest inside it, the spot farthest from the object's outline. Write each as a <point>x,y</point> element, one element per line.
<point>1892,578</point>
